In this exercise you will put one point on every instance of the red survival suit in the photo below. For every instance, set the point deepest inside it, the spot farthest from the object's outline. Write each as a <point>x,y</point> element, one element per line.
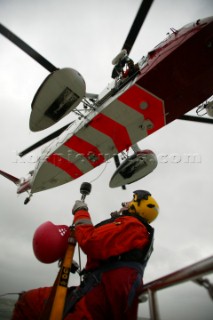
<point>117,251</point>
<point>117,247</point>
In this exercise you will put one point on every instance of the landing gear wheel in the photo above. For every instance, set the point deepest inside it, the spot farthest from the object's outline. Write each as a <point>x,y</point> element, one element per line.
<point>28,199</point>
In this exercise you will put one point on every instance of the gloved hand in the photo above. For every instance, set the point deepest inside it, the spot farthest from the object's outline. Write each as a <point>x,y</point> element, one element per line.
<point>79,205</point>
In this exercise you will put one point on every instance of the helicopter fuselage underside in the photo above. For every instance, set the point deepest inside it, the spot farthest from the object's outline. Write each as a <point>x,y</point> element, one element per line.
<point>176,77</point>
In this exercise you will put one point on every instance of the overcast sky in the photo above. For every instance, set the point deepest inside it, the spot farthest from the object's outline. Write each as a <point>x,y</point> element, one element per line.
<point>87,35</point>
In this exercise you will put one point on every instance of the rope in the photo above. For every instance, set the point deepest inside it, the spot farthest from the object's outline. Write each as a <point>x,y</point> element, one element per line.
<point>100,173</point>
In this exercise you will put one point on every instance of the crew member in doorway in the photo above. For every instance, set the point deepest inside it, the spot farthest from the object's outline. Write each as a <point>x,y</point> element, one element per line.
<point>121,61</point>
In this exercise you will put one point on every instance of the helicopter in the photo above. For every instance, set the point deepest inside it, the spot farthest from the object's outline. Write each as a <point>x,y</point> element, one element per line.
<point>133,106</point>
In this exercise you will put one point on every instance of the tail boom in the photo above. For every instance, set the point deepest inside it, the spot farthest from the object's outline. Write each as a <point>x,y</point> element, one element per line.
<point>22,185</point>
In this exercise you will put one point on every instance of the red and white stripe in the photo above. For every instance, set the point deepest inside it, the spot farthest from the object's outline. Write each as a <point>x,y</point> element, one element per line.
<point>124,121</point>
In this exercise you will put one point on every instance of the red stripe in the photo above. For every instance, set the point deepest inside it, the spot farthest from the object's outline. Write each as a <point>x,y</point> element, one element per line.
<point>113,129</point>
<point>65,165</point>
<point>134,98</point>
<point>89,151</point>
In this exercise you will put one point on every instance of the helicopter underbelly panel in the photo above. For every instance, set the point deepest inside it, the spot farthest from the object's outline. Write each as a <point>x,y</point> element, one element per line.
<point>121,122</point>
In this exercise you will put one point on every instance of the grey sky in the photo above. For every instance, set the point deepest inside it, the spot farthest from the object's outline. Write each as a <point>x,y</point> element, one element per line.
<point>86,35</point>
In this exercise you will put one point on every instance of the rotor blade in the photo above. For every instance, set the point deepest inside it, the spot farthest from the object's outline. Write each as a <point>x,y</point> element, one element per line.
<point>137,24</point>
<point>27,49</point>
<point>196,119</point>
<point>44,140</point>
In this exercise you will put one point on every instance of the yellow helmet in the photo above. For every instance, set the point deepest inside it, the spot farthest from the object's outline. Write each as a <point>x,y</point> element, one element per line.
<point>144,205</point>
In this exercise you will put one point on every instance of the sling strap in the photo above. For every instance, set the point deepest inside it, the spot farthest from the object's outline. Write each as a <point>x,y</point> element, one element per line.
<point>93,278</point>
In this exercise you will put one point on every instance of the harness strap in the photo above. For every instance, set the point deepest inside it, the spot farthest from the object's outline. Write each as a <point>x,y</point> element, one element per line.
<point>133,290</point>
<point>134,254</point>
<point>92,279</point>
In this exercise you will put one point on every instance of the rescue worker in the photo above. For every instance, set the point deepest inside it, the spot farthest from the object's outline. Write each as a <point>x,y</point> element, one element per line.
<point>117,253</point>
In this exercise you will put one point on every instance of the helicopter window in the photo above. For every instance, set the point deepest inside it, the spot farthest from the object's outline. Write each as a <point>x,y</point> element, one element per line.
<point>61,104</point>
